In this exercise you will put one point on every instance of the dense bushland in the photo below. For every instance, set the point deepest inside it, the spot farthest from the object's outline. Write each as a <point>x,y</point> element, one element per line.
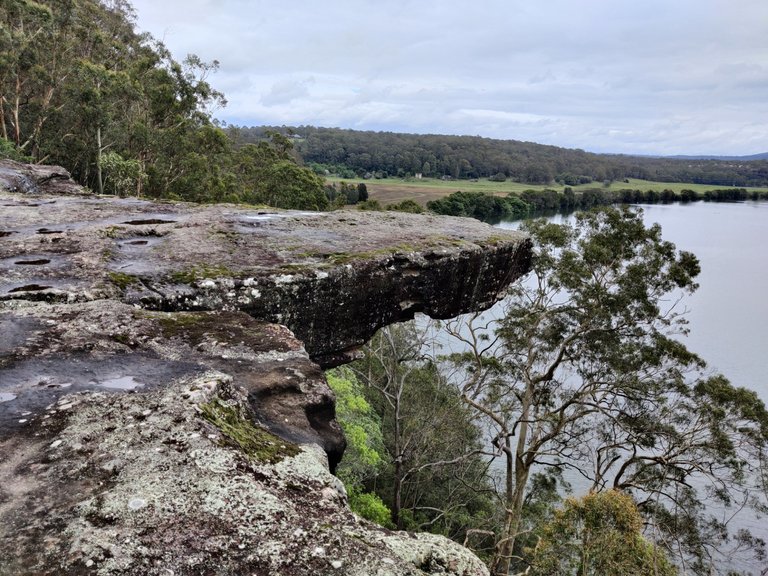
<point>79,87</point>
<point>352,153</point>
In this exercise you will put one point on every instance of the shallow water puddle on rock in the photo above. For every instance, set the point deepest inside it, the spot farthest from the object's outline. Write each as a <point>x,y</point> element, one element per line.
<point>121,383</point>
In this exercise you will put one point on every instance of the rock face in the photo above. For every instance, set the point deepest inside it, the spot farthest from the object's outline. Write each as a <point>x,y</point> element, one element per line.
<point>332,278</point>
<point>157,413</point>
<point>36,179</point>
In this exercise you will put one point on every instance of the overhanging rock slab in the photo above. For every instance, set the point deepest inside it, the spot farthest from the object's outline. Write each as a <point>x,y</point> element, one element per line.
<point>333,278</point>
<point>157,416</point>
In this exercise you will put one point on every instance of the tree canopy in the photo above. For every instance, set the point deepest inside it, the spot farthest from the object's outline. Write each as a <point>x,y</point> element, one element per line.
<point>584,374</point>
<point>598,534</point>
<point>353,153</point>
<point>582,379</point>
<point>79,87</point>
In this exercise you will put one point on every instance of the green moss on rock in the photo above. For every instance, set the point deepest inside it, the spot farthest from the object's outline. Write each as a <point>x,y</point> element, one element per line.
<point>237,428</point>
<point>190,324</point>
<point>196,273</point>
<point>122,280</point>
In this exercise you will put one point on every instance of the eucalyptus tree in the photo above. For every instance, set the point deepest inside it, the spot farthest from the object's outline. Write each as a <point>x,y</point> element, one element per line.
<point>598,534</point>
<point>434,479</point>
<point>584,373</point>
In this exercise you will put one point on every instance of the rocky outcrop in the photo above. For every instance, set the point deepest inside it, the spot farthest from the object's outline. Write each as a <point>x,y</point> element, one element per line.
<point>157,413</point>
<point>36,179</point>
<point>176,474</point>
<point>333,278</point>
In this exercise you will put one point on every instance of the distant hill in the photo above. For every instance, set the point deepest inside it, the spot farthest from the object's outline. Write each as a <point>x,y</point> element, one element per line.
<point>353,153</point>
<point>763,156</point>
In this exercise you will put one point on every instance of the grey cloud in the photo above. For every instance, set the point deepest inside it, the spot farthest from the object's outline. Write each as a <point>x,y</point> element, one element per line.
<point>285,91</point>
<point>620,76</point>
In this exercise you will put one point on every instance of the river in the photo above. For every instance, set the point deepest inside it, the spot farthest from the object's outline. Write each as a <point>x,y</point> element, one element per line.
<point>728,314</point>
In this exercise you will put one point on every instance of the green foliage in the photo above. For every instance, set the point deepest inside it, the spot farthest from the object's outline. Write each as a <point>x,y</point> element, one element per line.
<point>363,459</point>
<point>9,151</point>
<point>479,205</point>
<point>596,535</point>
<point>81,88</point>
<point>123,177</point>
<point>362,426</point>
<point>347,193</point>
<point>371,205</point>
<point>406,206</point>
<point>529,203</point>
<point>371,507</point>
<point>434,479</point>
<point>286,185</point>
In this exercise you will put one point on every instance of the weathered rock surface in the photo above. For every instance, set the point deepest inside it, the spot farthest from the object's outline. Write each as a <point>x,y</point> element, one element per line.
<point>332,278</point>
<point>157,416</point>
<point>51,350</point>
<point>36,179</point>
<point>179,476</point>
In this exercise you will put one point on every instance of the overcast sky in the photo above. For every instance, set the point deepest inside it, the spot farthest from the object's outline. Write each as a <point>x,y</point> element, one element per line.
<point>629,76</point>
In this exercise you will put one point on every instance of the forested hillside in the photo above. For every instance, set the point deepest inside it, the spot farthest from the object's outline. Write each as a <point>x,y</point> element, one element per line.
<point>354,153</point>
<point>80,87</point>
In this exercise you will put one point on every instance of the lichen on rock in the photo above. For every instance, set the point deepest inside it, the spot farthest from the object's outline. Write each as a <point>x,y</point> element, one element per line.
<point>150,485</point>
<point>162,410</point>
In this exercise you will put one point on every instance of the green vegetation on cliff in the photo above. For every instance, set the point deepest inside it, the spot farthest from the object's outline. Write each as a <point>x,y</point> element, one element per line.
<point>79,87</point>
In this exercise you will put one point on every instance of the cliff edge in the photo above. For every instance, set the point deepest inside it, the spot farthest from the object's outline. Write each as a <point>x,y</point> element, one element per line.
<point>162,404</point>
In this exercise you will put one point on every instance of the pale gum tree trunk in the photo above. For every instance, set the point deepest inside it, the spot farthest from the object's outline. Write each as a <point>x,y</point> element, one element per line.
<point>398,483</point>
<point>99,179</point>
<point>517,472</point>
<point>2,117</point>
<point>17,105</point>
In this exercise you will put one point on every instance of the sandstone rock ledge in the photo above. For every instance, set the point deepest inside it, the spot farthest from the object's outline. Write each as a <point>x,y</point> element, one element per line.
<point>333,278</point>
<point>178,477</point>
<point>157,416</point>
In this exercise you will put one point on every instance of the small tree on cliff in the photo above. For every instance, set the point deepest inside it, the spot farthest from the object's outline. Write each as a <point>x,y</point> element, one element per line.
<point>596,535</point>
<point>583,373</point>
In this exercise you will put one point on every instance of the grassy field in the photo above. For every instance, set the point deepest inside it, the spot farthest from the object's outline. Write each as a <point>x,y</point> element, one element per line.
<point>393,190</point>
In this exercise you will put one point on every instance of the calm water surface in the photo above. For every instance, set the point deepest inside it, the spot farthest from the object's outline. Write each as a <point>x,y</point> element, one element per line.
<point>728,314</point>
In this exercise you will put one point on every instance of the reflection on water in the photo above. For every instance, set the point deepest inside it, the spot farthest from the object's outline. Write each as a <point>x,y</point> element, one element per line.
<point>120,383</point>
